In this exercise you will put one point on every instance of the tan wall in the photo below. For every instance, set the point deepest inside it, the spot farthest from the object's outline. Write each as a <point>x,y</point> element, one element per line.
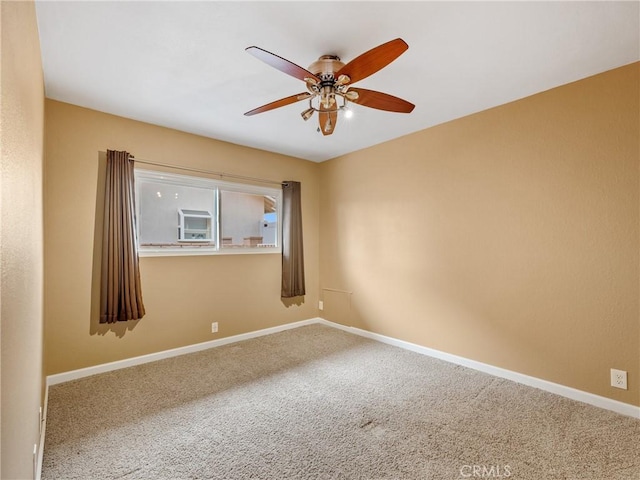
<point>21,238</point>
<point>509,237</point>
<point>182,295</point>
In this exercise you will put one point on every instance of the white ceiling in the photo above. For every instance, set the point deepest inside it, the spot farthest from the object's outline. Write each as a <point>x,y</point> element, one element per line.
<point>183,65</point>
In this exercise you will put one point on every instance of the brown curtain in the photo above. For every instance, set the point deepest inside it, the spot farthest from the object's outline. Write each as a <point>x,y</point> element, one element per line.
<point>121,294</point>
<point>292,254</point>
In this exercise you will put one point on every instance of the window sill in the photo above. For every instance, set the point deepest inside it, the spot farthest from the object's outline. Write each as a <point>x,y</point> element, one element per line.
<point>171,252</point>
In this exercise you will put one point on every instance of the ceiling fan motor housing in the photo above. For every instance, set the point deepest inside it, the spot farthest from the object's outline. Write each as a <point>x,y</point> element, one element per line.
<point>325,67</point>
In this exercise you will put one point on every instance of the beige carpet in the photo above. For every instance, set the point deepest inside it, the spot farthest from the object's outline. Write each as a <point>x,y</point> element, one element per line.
<point>318,403</point>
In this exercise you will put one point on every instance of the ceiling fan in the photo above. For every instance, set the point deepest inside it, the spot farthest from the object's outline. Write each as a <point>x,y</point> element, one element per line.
<point>329,83</point>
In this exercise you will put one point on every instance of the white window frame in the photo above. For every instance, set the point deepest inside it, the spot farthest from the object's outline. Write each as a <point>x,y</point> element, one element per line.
<point>215,185</point>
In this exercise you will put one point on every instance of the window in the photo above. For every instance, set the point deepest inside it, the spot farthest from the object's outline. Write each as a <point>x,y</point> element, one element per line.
<point>195,226</point>
<point>179,214</point>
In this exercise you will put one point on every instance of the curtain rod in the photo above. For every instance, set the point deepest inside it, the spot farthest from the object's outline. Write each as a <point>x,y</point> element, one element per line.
<point>209,172</point>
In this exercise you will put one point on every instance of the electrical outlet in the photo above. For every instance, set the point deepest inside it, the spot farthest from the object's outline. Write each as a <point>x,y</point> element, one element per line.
<point>214,327</point>
<point>619,378</point>
<point>320,305</point>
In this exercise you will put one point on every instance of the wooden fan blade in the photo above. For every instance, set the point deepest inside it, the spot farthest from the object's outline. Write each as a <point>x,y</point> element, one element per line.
<point>375,59</point>
<point>327,120</point>
<point>281,64</point>
<point>279,103</point>
<point>381,101</point>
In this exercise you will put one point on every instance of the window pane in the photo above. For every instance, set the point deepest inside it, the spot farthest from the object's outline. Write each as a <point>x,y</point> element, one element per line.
<point>160,205</point>
<point>248,220</point>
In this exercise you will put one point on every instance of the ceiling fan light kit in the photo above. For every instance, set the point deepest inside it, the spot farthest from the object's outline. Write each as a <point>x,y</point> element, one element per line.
<point>328,81</point>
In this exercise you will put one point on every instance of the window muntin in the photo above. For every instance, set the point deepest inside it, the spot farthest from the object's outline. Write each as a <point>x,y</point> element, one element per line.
<point>180,214</point>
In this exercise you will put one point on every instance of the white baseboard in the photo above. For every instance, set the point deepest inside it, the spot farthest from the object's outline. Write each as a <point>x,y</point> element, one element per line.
<point>43,428</point>
<point>152,357</point>
<point>562,390</point>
